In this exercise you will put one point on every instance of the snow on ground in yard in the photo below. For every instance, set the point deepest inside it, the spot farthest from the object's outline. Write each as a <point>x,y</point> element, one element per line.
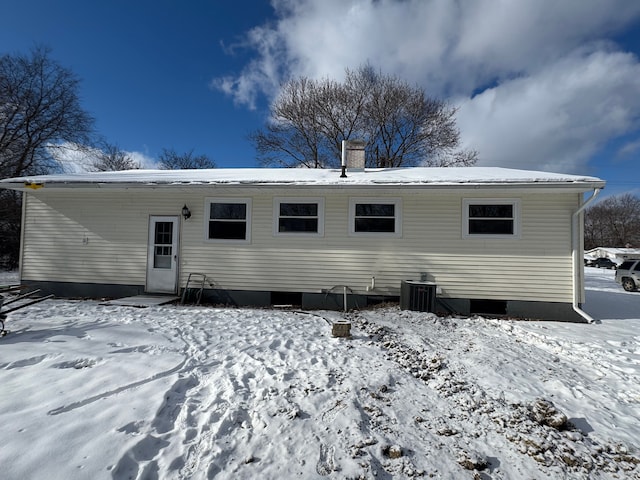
<point>7,278</point>
<point>91,391</point>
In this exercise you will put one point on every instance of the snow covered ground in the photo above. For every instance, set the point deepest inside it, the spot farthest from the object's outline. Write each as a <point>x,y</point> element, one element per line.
<point>91,391</point>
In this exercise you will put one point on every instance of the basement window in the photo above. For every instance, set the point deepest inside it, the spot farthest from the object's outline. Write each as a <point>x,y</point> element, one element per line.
<point>297,216</point>
<point>229,220</point>
<point>375,216</point>
<point>293,299</point>
<point>488,307</point>
<point>495,218</point>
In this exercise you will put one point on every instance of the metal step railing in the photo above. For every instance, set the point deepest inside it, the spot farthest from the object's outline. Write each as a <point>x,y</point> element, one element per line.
<point>197,279</point>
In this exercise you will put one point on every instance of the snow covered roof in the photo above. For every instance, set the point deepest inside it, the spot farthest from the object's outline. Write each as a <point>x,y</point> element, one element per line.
<point>416,176</point>
<point>614,252</point>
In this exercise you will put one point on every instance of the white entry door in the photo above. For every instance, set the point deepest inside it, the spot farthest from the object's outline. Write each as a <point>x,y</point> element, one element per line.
<point>162,255</point>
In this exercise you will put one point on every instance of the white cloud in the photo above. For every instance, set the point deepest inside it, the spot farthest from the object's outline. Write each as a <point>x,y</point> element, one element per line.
<point>262,75</point>
<point>75,158</point>
<point>629,149</point>
<point>557,118</point>
<point>142,159</point>
<point>552,85</point>
<point>443,45</point>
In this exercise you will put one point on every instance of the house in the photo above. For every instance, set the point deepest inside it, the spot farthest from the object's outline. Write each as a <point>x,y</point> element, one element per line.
<point>489,240</point>
<point>617,255</point>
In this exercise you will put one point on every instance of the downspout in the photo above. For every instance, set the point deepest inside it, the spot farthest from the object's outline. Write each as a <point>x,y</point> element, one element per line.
<point>576,260</point>
<point>23,231</point>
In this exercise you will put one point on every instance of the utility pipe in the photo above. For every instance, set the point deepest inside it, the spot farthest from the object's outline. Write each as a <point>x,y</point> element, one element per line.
<point>344,299</point>
<point>577,262</point>
<point>343,162</point>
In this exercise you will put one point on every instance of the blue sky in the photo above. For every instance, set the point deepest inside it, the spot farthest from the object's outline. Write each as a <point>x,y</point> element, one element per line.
<point>539,84</point>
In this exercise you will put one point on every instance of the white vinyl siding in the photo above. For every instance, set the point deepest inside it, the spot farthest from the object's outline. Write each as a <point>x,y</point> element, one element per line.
<point>100,236</point>
<point>98,239</point>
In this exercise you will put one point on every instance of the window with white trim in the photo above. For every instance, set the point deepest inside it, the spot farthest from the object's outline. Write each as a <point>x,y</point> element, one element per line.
<point>495,218</point>
<point>375,216</point>
<point>298,216</point>
<point>228,219</point>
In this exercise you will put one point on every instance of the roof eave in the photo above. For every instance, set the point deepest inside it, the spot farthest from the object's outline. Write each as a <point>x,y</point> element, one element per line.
<point>29,186</point>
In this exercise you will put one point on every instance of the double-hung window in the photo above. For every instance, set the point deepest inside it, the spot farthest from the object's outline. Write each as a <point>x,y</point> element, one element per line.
<point>375,216</point>
<point>228,220</point>
<point>495,218</point>
<point>299,216</point>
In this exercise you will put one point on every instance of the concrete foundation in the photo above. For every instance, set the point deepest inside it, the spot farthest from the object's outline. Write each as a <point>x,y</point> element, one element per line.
<point>322,301</point>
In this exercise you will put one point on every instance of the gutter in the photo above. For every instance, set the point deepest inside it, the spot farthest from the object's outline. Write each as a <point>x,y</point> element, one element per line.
<point>27,186</point>
<point>577,262</point>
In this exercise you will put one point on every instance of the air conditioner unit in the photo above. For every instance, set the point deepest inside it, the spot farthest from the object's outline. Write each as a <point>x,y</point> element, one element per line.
<point>418,296</point>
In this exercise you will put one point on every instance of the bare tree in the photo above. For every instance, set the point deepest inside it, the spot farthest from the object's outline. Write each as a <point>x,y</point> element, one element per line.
<point>613,222</point>
<point>10,221</point>
<point>401,125</point>
<point>111,158</point>
<point>294,129</point>
<point>39,110</point>
<point>169,159</point>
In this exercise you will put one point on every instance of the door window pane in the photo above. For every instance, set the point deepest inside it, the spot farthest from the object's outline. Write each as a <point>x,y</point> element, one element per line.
<point>163,245</point>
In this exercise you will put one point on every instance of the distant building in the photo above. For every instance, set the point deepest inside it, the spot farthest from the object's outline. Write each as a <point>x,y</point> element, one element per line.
<point>618,255</point>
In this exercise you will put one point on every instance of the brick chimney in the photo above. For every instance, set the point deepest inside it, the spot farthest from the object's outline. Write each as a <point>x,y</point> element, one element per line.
<point>353,155</point>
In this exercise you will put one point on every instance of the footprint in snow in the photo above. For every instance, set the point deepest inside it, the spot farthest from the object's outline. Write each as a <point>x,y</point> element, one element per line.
<point>330,414</point>
<point>27,362</point>
<point>78,364</point>
<point>326,463</point>
<point>132,428</point>
<point>138,349</point>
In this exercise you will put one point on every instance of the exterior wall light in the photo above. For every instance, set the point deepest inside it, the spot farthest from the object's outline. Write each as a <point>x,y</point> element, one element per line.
<point>186,213</point>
